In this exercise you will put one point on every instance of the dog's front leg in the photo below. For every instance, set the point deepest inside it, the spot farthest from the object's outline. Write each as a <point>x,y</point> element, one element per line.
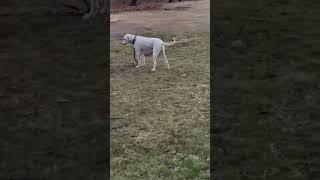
<point>143,59</point>
<point>138,59</point>
<point>135,57</point>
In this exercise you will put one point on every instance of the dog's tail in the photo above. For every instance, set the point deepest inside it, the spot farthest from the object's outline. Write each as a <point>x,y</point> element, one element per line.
<point>172,43</point>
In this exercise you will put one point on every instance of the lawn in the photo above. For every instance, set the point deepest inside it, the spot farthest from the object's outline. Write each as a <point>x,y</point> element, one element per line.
<point>160,120</point>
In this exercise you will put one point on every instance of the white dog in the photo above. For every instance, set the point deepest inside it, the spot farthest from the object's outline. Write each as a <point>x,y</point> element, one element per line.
<point>94,7</point>
<point>144,46</point>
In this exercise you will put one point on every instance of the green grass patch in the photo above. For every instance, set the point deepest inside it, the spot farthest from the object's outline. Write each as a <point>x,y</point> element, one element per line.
<point>160,120</point>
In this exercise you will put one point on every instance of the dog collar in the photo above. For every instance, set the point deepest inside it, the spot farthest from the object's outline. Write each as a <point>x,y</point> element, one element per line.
<point>134,39</point>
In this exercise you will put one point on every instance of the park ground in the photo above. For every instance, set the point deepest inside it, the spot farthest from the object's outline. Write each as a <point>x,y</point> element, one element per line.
<point>160,120</point>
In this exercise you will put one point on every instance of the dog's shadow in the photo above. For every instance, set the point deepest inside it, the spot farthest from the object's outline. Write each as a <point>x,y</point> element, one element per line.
<point>129,69</point>
<point>133,70</point>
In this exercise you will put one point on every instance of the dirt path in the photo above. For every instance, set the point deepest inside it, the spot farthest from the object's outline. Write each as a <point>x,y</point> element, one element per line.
<point>177,17</point>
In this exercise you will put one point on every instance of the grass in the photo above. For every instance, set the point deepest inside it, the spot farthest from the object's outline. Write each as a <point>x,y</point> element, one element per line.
<point>160,120</point>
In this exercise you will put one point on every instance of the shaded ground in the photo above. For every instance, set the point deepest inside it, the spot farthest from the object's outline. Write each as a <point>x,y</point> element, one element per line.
<point>160,121</point>
<point>274,138</point>
<point>266,122</point>
<point>52,95</point>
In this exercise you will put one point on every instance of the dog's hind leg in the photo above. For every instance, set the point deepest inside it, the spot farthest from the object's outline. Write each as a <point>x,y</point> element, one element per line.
<point>155,53</point>
<point>165,57</point>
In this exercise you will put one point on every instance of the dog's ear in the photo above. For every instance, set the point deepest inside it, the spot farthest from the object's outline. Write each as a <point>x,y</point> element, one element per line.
<point>125,37</point>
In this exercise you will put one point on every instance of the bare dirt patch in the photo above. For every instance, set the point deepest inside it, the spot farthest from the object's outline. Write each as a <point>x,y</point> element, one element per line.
<point>192,16</point>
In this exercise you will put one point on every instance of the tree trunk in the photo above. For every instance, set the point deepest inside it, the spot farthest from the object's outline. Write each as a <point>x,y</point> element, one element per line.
<point>133,2</point>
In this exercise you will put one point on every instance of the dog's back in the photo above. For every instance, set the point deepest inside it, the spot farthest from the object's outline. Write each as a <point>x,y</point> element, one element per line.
<point>146,42</point>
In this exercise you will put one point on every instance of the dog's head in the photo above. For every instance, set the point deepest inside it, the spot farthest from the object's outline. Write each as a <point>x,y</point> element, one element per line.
<point>128,38</point>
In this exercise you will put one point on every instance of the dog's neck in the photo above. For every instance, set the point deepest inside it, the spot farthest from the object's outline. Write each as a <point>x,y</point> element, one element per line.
<point>134,39</point>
